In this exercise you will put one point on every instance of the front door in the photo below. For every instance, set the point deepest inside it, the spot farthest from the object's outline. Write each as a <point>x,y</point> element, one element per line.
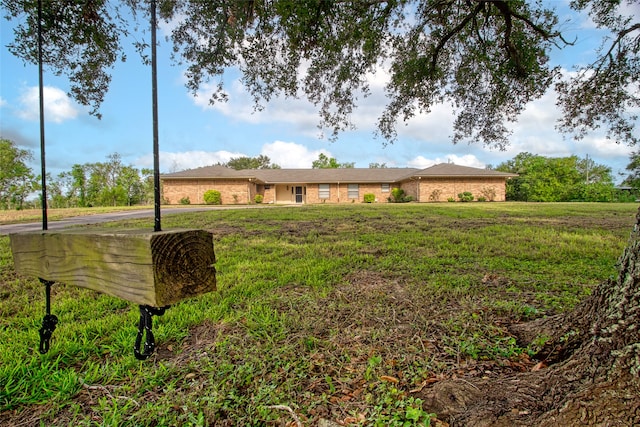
<point>299,194</point>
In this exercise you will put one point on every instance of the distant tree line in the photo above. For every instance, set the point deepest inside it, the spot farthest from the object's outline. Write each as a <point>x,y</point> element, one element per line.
<point>562,179</point>
<point>111,183</point>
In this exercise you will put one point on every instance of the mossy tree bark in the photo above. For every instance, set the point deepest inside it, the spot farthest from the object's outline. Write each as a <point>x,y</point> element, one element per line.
<point>593,376</point>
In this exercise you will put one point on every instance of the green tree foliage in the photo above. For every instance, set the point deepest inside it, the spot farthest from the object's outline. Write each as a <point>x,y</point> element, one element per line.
<point>16,178</point>
<point>260,162</point>
<point>487,58</point>
<point>325,162</point>
<point>75,182</point>
<point>605,93</point>
<point>558,179</point>
<point>633,178</point>
<point>129,181</point>
<point>110,183</point>
<point>146,176</point>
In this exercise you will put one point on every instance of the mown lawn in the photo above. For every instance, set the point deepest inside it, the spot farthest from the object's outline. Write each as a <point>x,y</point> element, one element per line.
<point>323,313</point>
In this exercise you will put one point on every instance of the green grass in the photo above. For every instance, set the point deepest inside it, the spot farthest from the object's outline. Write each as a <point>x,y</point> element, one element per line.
<point>337,312</point>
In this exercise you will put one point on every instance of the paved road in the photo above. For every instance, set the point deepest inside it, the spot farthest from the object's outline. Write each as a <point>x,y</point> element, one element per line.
<point>99,218</point>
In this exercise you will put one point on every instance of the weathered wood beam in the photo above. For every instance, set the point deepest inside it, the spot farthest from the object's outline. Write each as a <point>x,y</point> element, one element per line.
<point>141,266</point>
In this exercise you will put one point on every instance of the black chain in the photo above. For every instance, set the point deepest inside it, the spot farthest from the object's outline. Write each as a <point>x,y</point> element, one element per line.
<point>145,327</point>
<point>49,321</point>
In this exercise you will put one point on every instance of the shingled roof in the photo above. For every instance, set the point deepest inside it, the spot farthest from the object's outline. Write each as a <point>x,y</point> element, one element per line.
<point>212,172</point>
<point>449,170</point>
<point>341,175</point>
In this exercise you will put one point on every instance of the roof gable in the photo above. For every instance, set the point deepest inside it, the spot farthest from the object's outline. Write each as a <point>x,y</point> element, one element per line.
<point>216,171</point>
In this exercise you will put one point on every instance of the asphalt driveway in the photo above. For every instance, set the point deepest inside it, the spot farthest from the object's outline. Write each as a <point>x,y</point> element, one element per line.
<point>106,217</point>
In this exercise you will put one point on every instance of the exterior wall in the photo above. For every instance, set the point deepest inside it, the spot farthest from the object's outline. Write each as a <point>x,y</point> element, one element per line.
<point>441,189</point>
<point>376,190</point>
<point>175,189</point>
<point>268,193</point>
<point>424,190</point>
<point>339,193</point>
<point>411,188</point>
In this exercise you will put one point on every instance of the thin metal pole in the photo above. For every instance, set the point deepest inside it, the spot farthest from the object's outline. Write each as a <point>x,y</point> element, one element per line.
<point>154,95</point>
<point>42,145</point>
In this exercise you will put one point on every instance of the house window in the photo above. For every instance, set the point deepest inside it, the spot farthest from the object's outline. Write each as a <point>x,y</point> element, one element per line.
<point>385,188</point>
<point>352,191</point>
<point>323,191</point>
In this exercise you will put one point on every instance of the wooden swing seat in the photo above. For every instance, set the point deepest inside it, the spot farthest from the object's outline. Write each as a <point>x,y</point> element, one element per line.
<point>145,267</point>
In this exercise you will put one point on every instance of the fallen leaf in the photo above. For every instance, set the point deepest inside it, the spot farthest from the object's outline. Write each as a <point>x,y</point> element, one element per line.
<point>389,379</point>
<point>538,366</point>
<point>425,383</point>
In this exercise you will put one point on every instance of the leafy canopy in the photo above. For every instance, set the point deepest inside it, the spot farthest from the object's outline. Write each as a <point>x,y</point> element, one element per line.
<point>259,162</point>
<point>325,162</point>
<point>558,179</point>
<point>16,177</point>
<point>487,58</point>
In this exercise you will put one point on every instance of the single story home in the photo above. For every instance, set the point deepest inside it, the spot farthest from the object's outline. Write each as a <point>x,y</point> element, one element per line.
<point>440,182</point>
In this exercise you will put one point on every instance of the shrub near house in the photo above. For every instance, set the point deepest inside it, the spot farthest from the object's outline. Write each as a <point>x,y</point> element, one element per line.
<point>398,196</point>
<point>212,197</point>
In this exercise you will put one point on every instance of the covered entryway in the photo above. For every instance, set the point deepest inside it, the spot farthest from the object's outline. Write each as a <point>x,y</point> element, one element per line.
<point>291,193</point>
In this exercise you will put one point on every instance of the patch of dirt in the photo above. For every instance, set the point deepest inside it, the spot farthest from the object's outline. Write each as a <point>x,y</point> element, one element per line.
<point>369,315</point>
<point>302,229</point>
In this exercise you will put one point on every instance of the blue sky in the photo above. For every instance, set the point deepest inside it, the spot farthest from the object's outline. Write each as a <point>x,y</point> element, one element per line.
<point>192,133</point>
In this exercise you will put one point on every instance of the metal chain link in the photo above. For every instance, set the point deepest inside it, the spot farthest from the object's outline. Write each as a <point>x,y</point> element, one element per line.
<point>145,326</point>
<point>49,321</point>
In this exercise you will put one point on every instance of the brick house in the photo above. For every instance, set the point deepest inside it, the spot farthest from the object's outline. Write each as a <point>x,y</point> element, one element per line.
<point>436,183</point>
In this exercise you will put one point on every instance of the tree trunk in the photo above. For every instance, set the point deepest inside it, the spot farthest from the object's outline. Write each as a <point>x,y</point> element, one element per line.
<point>593,376</point>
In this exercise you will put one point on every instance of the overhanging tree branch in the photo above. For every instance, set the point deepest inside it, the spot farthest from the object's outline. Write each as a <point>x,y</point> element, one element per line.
<point>455,30</point>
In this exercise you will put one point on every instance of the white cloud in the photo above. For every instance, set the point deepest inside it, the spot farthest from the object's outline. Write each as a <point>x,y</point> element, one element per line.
<point>174,162</point>
<point>3,102</point>
<point>290,155</point>
<point>57,105</point>
<point>536,133</point>
<point>304,117</point>
<point>241,107</point>
<point>629,9</point>
<point>421,162</point>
